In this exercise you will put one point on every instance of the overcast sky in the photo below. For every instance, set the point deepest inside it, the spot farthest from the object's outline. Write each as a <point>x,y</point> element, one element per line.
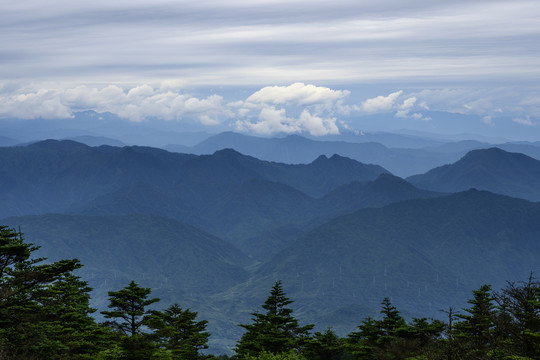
<point>273,66</point>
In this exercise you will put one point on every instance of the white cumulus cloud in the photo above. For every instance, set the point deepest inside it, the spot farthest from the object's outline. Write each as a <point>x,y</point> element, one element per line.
<point>40,104</point>
<point>314,108</point>
<point>272,120</point>
<point>381,103</point>
<point>297,93</point>
<point>136,103</point>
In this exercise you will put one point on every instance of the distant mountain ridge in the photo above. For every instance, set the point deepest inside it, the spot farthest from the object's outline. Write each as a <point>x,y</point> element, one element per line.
<point>415,157</point>
<point>6,141</point>
<point>492,169</point>
<point>295,149</point>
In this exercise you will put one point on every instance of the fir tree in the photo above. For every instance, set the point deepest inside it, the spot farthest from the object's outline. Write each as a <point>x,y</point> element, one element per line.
<point>130,309</point>
<point>275,331</point>
<point>177,331</point>
<point>25,324</point>
<point>475,331</point>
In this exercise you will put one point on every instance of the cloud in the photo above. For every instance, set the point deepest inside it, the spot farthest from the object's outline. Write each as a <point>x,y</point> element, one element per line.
<point>313,107</point>
<point>524,121</point>
<point>137,103</point>
<point>297,93</point>
<point>316,125</point>
<point>272,120</point>
<point>380,103</point>
<point>40,104</point>
<point>211,42</point>
<point>408,103</point>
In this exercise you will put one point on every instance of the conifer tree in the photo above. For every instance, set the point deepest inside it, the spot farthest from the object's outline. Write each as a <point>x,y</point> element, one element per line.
<point>130,306</point>
<point>475,331</point>
<point>177,331</point>
<point>276,330</point>
<point>130,309</point>
<point>22,282</point>
<point>519,318</point>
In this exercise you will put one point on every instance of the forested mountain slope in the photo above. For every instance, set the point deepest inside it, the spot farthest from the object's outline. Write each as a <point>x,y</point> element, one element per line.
<point>424,254</point>
<point>495,170</point>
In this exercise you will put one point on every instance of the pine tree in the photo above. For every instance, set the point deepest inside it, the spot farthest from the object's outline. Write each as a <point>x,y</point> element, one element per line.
<point>66,318</point>
<point>392,338</point>
<point>177,331</point>
<point>22,281</point>
<point>475,331</point>
<point>275,331</point>
<point>130,307</point>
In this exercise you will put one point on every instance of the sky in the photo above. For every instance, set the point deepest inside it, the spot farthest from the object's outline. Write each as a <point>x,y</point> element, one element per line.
<point>272,67</point>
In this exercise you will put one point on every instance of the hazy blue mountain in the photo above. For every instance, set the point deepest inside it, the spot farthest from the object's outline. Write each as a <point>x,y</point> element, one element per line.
<point>91,123</point>
<point>227,167</point>
<point>96,140</point>
<point>53,176</point>
<point>66,176</point>
<point>460,147</point>
<point>173,258</point>
<point>388,139</point>
<point>296,149</point>
<point>529,149</point>
<point>425,254</point>
<point>6,141</point>
<point>493,169</point>
<point>386,189</point>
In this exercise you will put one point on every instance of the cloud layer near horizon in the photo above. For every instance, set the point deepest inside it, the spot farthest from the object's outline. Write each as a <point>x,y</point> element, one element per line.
<point>303,61</point>
<point>296,108</point>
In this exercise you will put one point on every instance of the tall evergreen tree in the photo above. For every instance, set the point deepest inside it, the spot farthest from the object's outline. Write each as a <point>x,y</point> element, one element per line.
<point>130,306</point>
<point>475,331</point>
<point>275,331</point>
<point>392,338</point>
<point>22,281</point>
<point>177,331</point>
<point>130,309</point>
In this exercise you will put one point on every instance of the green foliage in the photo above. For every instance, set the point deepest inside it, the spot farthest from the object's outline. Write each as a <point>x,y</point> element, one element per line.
<point>177,331</point>
<point>275,331</point>
<point>265,355</point>
<point>476,329</point>
<point>129,306</point>
<point>39,303</point>
<point>325,346</point>
<point>518,323</point>
<point>392,338</point>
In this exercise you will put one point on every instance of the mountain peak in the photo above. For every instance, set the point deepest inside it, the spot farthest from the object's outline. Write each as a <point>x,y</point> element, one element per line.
<point>493,169</point>
<point>57,144</point>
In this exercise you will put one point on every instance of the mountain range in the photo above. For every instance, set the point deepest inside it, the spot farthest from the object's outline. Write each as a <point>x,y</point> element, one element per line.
<point>213,232</point>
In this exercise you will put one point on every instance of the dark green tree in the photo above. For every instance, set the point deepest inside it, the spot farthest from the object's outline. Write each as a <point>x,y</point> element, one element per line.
<point>130,311</point>
<point>475,331</point>
<point>362,343</point>
<point>130,306</point>
<point>177,331</point>
<point>22,282</point>
<point>325,346</point>
<point>392,337</point>
<point>275,331</point>
<point>518,322</point>
<point>62,321</point>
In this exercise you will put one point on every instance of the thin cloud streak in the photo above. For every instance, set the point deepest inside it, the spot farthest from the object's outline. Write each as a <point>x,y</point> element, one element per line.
<point>234,43</point>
